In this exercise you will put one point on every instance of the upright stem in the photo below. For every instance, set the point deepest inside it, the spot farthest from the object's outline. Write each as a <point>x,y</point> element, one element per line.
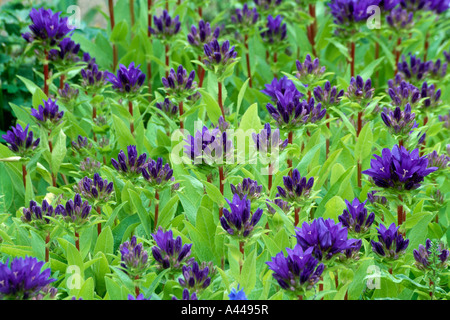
<point>400,212</point>
<point>77,240</point>
<point>137,290</point>
<point>359,126</point>
<point>180,107</point>
<point>61,81</point>
<point>167,5</point>
<point>427,44</point>
<point>377,55</point>
<point>113,23</point>
<point>297,216</point>
<point>46,73</point>
<point>241,249</point>
<point>327,145</point>
<point>130,109</point>
<point>221,187</point>
<point>156,208</point>
<point>352,56</point>
<point>397,54</point>
<point>24,175</point>
<point>201,73</point>
<point>200,12</point>
<point>167,60</point>
<point>131,3</point>
<point>219,98</point>
<point>313,28</point>
<point>247,55</point>
<point>47,249</point>
<point>270,177</point>
<point>99,225</point>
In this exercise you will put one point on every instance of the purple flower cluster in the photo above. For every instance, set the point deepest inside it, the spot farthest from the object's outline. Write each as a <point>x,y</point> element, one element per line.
<point>81,144</point>
<point>170,252</point>
<point>326,239</point>
<point>290,112</point>
<point>49,114</point>
<point>400,19</point>
<point>179,84</point>
<point>90,166</point>
<point>128,80</point>
<point>37,215</point>
<point>47,27</point>
<point>67,52</point>
<point>75,211</point>
<point>186,295</point>
<point>267,140</point>
<point>391,243</point>
<point>131,166</point>
<point>158,175</point>
<point>168,107</point>
<point>402,92</point>
<point>208,146</point>
<point>68,94</point>
<point>328,96</point>
<point>355,217</point>
<point>423,256</point>
<point>22,279</point>
<point>134,259</point>
<point>399,169</point>
<point>415,71</point>
<point>283,205</point>
<point>399,122</point>
<point>96,189</point>
<point>296,188</point>
<point>238,221</point>
<point>275,31</point>
<point>245,17</point>
<point>247,188</point>
<point>267,4</point>
<point>195,277</point>
<point>20,141</point>
<point>309,71</point>
<point>198,37</point>
<point>297,272</point>
<point>360,91</point>
<point>431,97</point>
<point>166,27</point>
<point>92,78</point>
<point>438,161</point>
<point>281,87</point>
<point>219,55</point>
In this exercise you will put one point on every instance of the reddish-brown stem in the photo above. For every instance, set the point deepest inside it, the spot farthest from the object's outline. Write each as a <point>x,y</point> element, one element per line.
<point>130,110</point>
<point>401,215</point>
<point>270,177</point>
<point>201,73</point>
<point>137,290</point>
<point>47,249</point>
<point>425,121</point>
<point>359,126</point>
<point>156,208</point>
<point>352,56</point>
<point>113,23</point>
<point>219,98</point>
<point>427,45</point>
<point>61,81</point>
<point>275,60</point>
<point>167,5</point>
<point>200,12</point>
<point>77,241</point>
<point>313,28</point>
<point>180,106</point>
<point>241,249</point>
<point>131,4</point>
<point>46,73</point>
<point>167,60</point>
<point>390,270</point>
<point>99,225</point>
<point>297,216</point>
<point>247,56</point>
<point>397,54</point>
<point>221,187</point>
<point>400,143</point>
<point>309,95</point>
<point>327,146</point>
<point>24,175</point>
<point>290,139</point>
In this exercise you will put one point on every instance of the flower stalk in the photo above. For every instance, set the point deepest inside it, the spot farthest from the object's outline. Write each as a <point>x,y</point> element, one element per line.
<point>113,23</point>
<point>219,98</point>
<point>130,110</point>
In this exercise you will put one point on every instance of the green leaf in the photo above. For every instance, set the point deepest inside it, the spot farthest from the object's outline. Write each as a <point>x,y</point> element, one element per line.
<point>334,208</point>
<point>250,120</point>
<point>364,143</point>
<point>212,107</point>
<point>119,32</point>
<point>59,151</point>
<point>141,211</point>
<point>168,212</point>
<point>105,242</point>
<point>370,68</point>
<point>248,274</point>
